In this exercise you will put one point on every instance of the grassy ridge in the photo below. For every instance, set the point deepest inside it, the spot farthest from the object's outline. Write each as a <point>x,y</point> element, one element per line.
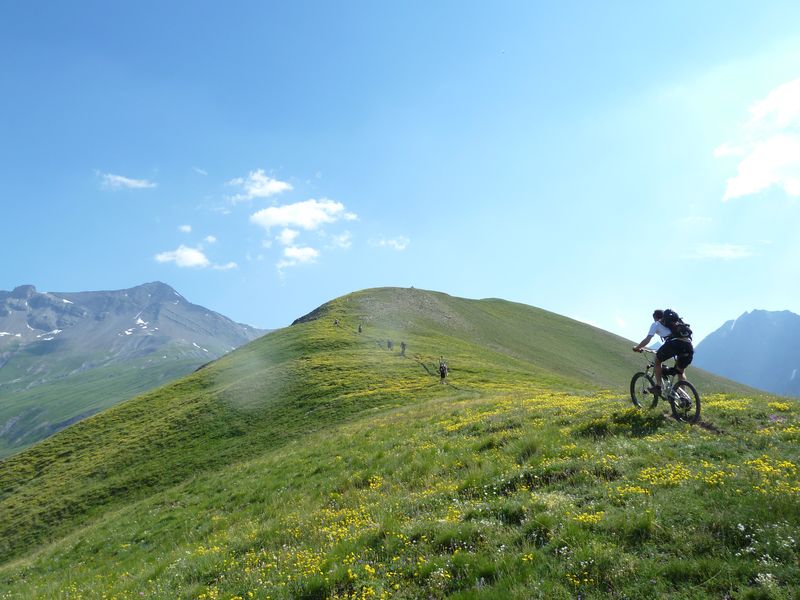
<point>315,462</point>
<point>305,377</point>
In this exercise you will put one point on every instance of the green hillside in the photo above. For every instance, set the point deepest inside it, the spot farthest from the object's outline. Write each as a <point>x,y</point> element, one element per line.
<point>33,414</point>
<point>316,462</point>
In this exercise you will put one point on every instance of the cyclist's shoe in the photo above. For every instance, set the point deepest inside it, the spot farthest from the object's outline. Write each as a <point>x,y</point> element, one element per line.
<point>655,390</point>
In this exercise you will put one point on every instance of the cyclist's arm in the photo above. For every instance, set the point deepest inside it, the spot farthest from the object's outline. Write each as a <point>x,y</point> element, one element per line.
<point>642,344</point>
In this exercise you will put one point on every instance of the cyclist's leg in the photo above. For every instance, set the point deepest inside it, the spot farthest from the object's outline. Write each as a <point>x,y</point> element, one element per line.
<point>667,351</point>
<point>683,358</point>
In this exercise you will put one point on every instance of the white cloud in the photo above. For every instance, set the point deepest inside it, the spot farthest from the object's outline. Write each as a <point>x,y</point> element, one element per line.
<point>288,236</point>
<point>770,149</point>
<point>342,241</point>
<point>398,243</point>
<point>200,171</point>
<point>118,182</point>
<point>308,215</point>
<point>185,228</point>
<point>257,185</point>
<point>772,162</point>
<point>226,266</point>
<point>722,251</point>
<point>185,257</point>
<point>302,255</point>
<point>781,107</point>
<point>223,210</point>
<point>210,239</point>
<point>294,255</point>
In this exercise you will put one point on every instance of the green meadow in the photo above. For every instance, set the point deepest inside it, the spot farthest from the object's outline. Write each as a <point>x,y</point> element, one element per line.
<point>316,462</point>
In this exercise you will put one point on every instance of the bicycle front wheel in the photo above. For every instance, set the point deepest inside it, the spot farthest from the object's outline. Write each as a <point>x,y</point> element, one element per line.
<point>685,402</point>
<point>640,394</point>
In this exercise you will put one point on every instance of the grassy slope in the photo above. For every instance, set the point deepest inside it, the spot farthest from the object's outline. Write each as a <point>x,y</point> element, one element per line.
<point>315,462</point>
<point>30,414</point>
<point>47,408</point>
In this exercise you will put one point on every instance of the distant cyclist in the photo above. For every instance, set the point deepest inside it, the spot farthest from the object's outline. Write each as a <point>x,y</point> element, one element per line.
<point>677,344</point>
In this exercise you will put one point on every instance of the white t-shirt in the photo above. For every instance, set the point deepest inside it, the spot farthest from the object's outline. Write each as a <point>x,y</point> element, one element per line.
<point>658,328</point>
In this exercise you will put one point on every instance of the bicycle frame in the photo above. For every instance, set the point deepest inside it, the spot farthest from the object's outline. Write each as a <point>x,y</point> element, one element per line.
<point>681,394</point>
<point>666,372</point>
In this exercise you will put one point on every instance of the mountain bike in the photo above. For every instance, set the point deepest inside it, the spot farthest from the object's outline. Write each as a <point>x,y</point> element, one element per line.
<point>681,395</point>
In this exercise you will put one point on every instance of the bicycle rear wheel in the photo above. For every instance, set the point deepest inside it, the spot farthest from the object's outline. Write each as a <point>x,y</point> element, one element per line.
<point>641,397</point>
<point>685,402</point>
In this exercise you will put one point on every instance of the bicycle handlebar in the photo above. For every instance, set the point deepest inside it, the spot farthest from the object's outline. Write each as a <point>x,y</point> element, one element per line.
<point>646,350</point>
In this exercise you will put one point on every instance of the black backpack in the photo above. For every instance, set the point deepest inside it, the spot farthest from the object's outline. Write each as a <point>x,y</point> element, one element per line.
<point>679,329</point>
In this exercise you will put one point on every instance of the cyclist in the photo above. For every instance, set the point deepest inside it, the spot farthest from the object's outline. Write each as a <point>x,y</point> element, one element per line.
<point>679,348</point>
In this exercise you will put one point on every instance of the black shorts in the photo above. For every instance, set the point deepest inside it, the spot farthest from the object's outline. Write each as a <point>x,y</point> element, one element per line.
<point>681,350</point>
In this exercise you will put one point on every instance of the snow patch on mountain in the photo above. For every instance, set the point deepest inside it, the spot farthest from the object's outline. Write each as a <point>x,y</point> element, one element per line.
<point>52,334</point>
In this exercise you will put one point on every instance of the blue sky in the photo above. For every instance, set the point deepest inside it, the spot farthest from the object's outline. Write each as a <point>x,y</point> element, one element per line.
<point>594,159</point>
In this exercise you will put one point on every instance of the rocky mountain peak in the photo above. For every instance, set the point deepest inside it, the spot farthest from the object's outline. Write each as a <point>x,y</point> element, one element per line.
<point>156,292</point>
<point>23,292</point>
<point>60,340</point>
<point>758,349</point>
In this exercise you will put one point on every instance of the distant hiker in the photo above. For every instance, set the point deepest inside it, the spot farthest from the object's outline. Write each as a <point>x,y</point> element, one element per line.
<point>677,338</point>
<point>389,344</point>
<point>359,328</point>
<point>402,348</point>
<point>442,370</point>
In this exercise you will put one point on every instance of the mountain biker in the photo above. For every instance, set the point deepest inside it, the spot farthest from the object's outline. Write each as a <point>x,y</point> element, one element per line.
<point>679,348</point>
